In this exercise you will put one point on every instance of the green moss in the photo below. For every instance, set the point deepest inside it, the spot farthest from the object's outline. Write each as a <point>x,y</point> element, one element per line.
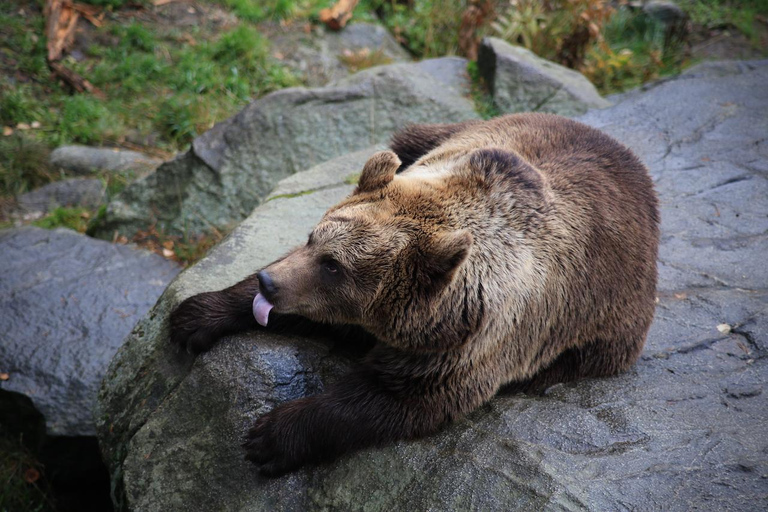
<point>288,196</point>
<point>352,179</point>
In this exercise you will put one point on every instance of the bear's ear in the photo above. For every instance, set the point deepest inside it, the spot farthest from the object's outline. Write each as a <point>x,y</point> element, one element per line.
<point>446,253</point>
<point>378,171</point>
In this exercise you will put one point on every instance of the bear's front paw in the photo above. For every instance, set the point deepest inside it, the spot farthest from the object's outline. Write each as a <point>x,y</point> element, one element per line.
<point>273,443</point>
<point>195,326</point>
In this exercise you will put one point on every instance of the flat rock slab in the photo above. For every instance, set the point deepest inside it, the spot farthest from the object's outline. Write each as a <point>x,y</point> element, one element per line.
<point>68,302</point>
<point>232,167</point>
<point>321,56</point>
<point>520,81</point>
<point>683,430</point>
<point>75,192</point>
<point>86,160</point>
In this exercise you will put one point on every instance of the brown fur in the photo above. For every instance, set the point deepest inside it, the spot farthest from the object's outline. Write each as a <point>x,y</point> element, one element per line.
<point>519,251</point>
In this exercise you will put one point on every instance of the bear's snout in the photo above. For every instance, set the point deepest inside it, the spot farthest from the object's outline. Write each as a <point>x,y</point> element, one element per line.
<point>266,285</point>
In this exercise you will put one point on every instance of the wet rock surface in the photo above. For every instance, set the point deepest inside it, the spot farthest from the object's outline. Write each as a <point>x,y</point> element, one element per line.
<point>232,167</point>
<point>67,303</point>
<point>520,81</point>
<point>683,430</point>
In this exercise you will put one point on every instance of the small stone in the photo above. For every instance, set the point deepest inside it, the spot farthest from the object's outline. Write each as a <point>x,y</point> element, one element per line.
<point>724,328</point>
<point>85,160</point>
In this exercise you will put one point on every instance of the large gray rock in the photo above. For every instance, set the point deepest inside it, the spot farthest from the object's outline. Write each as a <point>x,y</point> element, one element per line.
<point>683,430</point>
<point>321,56</point>
<point>520,81</point>
<point>86,159</point>
<point>67,303</point>
<point>232,167</point>
<point>82,192</point>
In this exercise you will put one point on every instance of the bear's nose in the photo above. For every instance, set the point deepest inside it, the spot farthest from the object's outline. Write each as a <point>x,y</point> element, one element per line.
<point>266,284</point>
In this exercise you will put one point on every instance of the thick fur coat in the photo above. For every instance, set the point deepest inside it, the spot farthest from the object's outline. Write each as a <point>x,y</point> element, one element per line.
<point>519,251</point>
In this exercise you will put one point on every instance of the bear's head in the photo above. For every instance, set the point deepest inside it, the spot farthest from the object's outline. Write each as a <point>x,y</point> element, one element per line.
<point>380,259</point>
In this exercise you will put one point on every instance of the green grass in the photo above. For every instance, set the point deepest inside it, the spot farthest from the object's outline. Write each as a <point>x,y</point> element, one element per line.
<point>260,10</point>
<point>20,472</point>
<point>719,13</point>
<point>428,28</point>
<point>634,51</point>
<point>76,219</point>
<point>23,165</point>
<point>157,84</point>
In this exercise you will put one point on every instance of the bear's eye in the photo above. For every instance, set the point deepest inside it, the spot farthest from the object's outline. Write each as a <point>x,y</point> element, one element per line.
<point>331,267</point>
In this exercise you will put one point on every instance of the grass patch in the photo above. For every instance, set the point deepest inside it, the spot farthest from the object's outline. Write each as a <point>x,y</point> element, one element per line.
<point>428,28</point>
<point>634,50</point>
<point>20,478</point>
<point>719,13</point>
<point>76,219</point>
<point>23,164</point>
<point>162,84</point>
<point>17,105</point>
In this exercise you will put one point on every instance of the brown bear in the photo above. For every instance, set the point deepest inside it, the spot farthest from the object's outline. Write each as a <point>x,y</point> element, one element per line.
<point>518,251</point>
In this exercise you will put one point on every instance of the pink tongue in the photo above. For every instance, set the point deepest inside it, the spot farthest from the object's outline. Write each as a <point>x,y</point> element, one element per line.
<point>261,309</point>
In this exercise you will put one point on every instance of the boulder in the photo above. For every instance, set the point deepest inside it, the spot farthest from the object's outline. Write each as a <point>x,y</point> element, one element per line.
<point>86,160</point>
<point>80,192</point>
<point>683,430</point>
<point>232,167</point>
<point>320,56</point>
<point>68,301</point>
<point>666,12</point>
<point>520,81</point>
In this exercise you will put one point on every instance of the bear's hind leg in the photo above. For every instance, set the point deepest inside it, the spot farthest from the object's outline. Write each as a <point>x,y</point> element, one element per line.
<point>595,359</point>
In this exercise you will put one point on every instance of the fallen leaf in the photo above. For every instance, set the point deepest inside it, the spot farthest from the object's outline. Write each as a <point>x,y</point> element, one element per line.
<point>31,475</point>
<point>35,124</point>
<point>22,126</point>
<point>168,244</point>
<point>7,130</point>
<point>168,253</point>
<point>681,296</point>
<point>4,376</point>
